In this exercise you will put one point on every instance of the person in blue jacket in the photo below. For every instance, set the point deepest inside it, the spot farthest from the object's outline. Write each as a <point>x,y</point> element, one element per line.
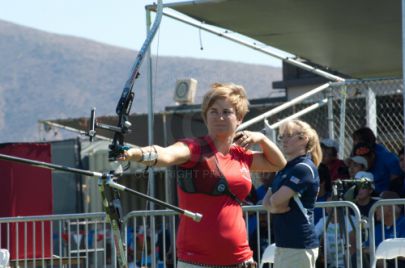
<point>382,163</point>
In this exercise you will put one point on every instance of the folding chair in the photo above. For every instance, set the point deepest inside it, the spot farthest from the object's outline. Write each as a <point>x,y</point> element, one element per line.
<point>4,258</point>
<point>389,249</point>
<point>268,255</point>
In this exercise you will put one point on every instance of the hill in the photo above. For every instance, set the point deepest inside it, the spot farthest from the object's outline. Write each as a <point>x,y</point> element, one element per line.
<point>50,76</point>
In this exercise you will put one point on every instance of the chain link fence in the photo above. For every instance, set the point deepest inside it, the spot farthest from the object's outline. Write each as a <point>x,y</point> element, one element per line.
<point>377,104</point>
<point>342,108</point>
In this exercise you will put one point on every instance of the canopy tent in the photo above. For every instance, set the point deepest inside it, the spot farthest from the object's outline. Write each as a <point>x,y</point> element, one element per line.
<point>360,39</point>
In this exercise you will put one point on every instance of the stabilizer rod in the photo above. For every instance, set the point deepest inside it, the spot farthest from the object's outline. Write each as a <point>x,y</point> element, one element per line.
<point>109,181</point>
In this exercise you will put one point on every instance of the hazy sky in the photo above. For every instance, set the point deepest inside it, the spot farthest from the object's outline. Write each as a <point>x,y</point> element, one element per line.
<point>122,23</point>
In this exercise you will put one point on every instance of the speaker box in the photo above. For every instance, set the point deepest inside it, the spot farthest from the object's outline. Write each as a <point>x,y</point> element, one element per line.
<point>185,90</point>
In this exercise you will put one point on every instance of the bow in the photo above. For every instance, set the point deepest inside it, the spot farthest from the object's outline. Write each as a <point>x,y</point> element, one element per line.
<point>109,193</point>
<point>125,102</point>
<point>108,188</point>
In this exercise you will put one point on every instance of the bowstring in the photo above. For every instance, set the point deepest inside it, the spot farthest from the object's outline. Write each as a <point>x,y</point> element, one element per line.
<point>154,83</point>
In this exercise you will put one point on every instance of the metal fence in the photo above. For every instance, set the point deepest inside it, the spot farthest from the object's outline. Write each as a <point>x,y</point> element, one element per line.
<point>340,229</point>
<point>72,240</point>
<point>84,240</point>
<point>151,238</point>
<point>336,110</point>
<point>374,103</point>
<point>386,218</point>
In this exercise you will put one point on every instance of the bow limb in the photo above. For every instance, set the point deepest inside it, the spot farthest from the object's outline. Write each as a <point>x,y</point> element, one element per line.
<point>125,102</point>
<point>110,196</point>
<point>148,41</point>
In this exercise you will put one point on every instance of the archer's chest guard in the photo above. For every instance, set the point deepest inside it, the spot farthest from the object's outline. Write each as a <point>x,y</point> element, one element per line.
<point>205,177</point>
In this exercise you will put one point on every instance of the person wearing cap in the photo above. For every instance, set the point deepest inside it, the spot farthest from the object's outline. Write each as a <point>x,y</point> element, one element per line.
<point>382,163</point>
<point>384,166</point>
<point>358,166</point>
<point>337,167</point>
<point>363,200</point>
<point>355,164</point>
<point>364,197</point>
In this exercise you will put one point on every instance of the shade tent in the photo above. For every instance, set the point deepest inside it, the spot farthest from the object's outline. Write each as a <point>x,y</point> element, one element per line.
<point>359,39</point>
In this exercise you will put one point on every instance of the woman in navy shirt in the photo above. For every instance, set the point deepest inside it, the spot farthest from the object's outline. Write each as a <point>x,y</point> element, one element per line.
<point>291,200</point>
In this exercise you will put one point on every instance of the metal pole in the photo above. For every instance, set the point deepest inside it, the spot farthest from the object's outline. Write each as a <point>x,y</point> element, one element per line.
<point>343,94</point>
<point>283,106</point>
<point>165,143</point>
<point>51,166</point>
<point>195,216</point>
<point>151,174</point>
<point>403,66</point>
<point>331,129</point>
<point>371,110</point>
<point>300,113</point>
<point>150,109</point>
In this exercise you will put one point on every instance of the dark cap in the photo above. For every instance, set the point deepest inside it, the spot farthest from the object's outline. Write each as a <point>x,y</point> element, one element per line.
<point>362,149</point>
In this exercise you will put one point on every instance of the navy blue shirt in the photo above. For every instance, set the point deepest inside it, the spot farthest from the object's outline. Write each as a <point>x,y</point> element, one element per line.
<point>295,228</point>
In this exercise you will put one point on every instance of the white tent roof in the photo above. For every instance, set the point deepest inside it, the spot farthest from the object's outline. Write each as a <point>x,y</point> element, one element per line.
<point>359,38</point>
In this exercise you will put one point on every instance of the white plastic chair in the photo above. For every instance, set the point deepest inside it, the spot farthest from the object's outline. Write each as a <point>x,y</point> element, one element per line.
<point>4,257</point>
<point>389,249</point>
<point>268,255</point>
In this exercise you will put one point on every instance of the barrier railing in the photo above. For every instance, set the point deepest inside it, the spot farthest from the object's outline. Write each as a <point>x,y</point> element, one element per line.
<point>147,246</point>
<point>57,240</point>
<point>84,240</point>
<point>338,224</point>
<point>387,211</point>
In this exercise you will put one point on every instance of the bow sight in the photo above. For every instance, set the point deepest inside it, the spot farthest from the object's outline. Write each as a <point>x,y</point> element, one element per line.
<point>123,127</point>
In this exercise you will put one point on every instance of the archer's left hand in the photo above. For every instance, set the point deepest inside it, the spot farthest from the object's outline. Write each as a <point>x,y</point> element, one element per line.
<point>246,138</point>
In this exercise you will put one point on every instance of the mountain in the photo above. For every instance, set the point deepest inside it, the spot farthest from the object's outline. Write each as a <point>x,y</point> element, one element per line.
<point>50,76</point>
